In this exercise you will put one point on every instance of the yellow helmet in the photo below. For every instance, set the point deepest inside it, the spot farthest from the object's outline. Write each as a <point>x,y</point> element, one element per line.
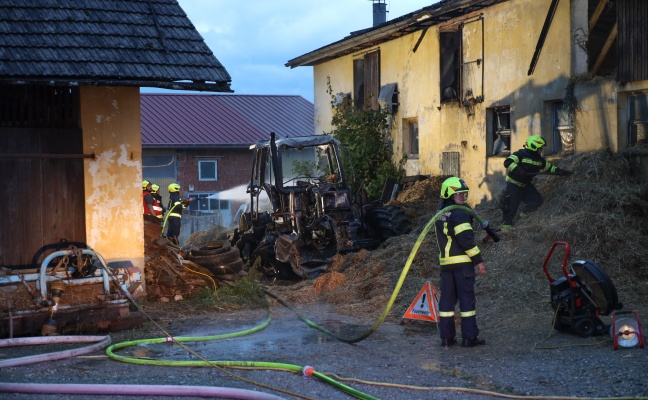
<point>145,184</point>
<point>174,187</point>
<point>451,186</point>
<point>535,142</point>
<point>154,188</point>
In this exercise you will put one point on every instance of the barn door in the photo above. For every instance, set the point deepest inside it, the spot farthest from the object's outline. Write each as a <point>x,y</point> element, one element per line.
<point>41,173</point>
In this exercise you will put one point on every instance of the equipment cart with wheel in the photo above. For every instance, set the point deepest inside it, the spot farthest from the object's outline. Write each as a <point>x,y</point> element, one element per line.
<point>581,296</point>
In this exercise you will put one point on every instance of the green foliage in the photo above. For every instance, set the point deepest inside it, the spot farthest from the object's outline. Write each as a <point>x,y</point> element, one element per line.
<point>366,133</point>
<point>242,292</point>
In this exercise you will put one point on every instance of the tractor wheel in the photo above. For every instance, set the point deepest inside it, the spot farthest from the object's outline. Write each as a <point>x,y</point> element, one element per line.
<point>388,221</point>
<point>211,248</point>
<point>217,259</point>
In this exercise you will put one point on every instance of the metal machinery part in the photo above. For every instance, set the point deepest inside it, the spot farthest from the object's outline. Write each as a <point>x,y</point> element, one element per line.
<point>71,287</point>
<point>302,211</point>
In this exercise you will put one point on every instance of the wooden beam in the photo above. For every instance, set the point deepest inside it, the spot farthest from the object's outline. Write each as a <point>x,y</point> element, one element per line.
<point>597,13</point>
<point>543,35</point>
<point>606,48</point>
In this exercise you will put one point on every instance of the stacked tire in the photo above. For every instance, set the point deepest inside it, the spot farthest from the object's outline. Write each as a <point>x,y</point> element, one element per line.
<point>219,257</point>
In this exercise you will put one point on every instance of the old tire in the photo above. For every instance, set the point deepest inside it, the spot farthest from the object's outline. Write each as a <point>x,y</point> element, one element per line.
<point>211,248</point>
<point>217,259</point>
<point>388,222</point>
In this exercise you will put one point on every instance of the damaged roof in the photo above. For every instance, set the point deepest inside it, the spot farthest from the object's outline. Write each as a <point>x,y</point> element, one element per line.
<point>145,43</point>
<point>419,20</point>
<point>222,120</point>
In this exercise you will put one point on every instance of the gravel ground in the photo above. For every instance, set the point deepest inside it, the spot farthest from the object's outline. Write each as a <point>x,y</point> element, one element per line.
<point>512,364</point>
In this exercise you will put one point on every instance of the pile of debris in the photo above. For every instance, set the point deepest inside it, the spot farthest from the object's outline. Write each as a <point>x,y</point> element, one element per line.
<point>601,211</point>
<point>175,273</point>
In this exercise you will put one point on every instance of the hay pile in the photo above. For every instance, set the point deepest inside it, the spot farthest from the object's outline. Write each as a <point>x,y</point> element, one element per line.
<point>601,211</point>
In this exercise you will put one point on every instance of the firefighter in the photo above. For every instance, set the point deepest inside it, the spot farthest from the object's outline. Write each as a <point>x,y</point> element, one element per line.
<point>174,214</point>
<point>158,207</point>
<point>458,257</point>
<point>147,199</point>
<point>521,167</point>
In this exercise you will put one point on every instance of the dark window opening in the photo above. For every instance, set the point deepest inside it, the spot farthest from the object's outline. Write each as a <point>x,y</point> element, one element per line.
<point>450,43</point>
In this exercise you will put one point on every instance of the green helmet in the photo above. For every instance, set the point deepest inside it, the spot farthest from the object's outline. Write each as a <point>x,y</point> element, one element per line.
<point>535,142</point>
<point>145,184</point>
<point>451,186</point>
<point>154,188</point>
<point>174,187</point>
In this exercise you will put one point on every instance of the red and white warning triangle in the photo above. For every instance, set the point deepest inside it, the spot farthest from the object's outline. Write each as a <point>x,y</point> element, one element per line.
<point>425,305</point>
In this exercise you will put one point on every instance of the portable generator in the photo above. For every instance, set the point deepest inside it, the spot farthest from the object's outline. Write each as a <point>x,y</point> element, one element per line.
<point>580,296</point>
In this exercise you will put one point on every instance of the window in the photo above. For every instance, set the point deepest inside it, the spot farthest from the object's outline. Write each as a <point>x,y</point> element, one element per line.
<point>638,121</point>
<point>208,202</point>
<point>411,138</point>
<point>158,166</point>
<point>450,43</point>
<point>450,163</point>
<point>563,128</point>
<point>207,170</point>
<point>499,131</point>
<point>366,80</point>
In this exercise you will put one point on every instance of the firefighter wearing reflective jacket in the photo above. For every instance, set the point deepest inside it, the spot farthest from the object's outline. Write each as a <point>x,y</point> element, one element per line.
<point>148,200</point>
<point>521,167</point>
<point>157,206</point>
<point>458,257</point>
<point>173,217</point>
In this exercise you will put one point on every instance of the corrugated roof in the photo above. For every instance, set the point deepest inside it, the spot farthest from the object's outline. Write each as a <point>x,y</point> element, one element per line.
<point>201,120</point>
<point>149,43</point>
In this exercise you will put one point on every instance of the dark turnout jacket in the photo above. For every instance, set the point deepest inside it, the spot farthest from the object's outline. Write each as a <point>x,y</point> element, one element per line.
<point>456,238</point>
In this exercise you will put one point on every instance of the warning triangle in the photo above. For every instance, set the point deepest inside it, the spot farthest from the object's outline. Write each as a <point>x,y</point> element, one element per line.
<point>425,305</point>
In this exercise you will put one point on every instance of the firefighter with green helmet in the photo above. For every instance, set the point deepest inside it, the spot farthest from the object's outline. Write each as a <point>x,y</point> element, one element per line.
<point>458,258</point>
<point>521,167</point>
<point>172,220</point>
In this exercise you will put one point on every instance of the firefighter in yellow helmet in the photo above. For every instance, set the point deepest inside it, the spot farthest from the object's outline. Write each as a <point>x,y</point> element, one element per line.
<point>148,200</point>
<point>521,167</point>
<point>172,220</point>
<point>458,258</point>
<point>158,206</point>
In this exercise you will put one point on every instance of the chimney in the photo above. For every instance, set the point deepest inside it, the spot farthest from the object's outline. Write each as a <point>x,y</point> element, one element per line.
<point>379,12</point>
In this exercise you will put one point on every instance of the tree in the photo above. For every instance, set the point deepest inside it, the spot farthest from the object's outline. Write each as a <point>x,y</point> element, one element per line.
<point>366,133</point>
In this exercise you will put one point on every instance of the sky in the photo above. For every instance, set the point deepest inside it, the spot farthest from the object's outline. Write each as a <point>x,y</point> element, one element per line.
<point>253,39</point>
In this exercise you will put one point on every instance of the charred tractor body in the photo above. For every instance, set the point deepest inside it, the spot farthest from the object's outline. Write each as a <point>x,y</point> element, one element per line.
<point>302,211</point>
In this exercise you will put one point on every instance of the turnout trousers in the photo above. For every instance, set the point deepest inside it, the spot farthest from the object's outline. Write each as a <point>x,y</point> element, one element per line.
<point>514,195</point>
<point>458,285</point>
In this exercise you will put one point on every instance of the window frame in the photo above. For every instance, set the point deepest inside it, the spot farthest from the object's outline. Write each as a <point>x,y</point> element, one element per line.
<point>200,171</point>
<point>494,131</point>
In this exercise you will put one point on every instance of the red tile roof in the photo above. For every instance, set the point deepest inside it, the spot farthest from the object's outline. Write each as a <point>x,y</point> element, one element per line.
<point>220,120</point>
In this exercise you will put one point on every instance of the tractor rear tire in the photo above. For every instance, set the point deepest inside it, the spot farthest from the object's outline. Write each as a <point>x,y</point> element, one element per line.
<point>388,222</point>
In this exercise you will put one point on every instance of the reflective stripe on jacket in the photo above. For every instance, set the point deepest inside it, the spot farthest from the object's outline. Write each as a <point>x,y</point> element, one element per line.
<point>527,161</point>
<point>456,238</point>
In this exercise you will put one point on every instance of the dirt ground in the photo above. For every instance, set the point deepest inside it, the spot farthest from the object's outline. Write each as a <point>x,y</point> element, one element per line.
<point>601,212</point>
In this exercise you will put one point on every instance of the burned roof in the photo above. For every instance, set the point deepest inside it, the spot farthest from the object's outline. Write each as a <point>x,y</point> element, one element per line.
<point>145,43</point>
<point>299,141</point>
<point>221,120</point>
<point>419,20</point>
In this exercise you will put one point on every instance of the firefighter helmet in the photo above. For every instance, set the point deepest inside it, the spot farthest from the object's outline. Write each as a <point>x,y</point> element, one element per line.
<point>535,142</point>
<point>154,188</point>
<point>451,186</point>
<point>174,187</point>
<point>145,184</point>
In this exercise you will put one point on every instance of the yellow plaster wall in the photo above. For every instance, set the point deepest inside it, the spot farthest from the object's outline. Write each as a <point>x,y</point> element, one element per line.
<point>511,31</point>
<point>110,119</point>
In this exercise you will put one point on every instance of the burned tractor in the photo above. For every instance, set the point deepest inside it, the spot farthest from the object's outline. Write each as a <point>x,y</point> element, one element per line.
<point>302,211</point>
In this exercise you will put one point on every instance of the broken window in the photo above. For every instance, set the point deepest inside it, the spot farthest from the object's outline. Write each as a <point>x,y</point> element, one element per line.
<point>411,138</point>
<point>450,43</point>
<point>366,80</point>
<point>563,128</point>
<point>498,131</point>
<point>638,121</point>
